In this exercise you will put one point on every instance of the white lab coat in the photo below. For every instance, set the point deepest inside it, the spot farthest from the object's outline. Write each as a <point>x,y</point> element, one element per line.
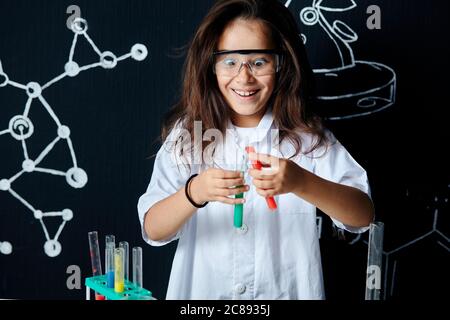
<point>275,255</point>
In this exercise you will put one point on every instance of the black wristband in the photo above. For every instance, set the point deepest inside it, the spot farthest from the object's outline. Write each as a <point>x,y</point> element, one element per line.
<point>186,187</point>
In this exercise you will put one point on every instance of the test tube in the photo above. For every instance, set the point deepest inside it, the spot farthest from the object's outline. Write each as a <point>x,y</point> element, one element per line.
<point>239,208</point>
<point>110,238</point>
<point>126,258</point>
<point>96,263</point>
<point>374,261</point>
<point>95,253</point>
<point>271,203</point>
<point>238,211</point>
<point>119,280</point>
<point>109,260</point>
<point>137,267</point>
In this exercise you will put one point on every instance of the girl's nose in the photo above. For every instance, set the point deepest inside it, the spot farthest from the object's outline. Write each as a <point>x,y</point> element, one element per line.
<point>245,73</point>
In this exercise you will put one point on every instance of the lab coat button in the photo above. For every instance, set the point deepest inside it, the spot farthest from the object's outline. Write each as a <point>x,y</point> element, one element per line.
<point>243,229</point>
<point>240,288</point>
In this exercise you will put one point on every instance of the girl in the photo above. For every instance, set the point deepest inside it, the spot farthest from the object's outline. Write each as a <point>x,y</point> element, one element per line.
<point>247,77</point>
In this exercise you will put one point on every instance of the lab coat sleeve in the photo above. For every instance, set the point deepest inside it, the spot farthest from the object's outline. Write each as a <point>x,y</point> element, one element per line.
<point>168,177</point>
<point>337,165</point>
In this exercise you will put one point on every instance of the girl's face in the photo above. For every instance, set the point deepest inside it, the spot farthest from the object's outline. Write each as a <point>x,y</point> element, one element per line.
<point>246,94</point>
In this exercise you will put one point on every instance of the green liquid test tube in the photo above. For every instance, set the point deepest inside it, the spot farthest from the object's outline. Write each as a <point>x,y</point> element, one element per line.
<point>239,208</point>
<point>238,211</point>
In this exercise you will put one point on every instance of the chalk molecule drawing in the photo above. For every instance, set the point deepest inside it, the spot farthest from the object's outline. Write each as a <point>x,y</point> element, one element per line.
<point>21,128</point>
<point>347,88</point>
<point>392,257</point>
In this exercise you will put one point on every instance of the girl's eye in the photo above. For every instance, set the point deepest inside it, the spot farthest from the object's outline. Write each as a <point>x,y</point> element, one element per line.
<point>260,62</point>
<point>229,62</point>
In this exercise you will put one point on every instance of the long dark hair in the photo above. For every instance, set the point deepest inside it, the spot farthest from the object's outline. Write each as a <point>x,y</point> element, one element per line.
<point>201,99</point>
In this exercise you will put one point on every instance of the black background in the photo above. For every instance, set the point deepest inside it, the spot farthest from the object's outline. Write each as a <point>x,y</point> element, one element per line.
<point>115,117</point>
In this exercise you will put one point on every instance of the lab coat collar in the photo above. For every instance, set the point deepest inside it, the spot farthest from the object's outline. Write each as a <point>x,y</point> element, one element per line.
<point>261,131</point>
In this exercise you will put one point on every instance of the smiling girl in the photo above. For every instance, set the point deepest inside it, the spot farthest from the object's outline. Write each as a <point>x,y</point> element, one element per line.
<point>247,73</point>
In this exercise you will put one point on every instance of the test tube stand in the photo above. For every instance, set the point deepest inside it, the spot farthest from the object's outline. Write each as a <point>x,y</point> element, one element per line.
<point>131,292</point>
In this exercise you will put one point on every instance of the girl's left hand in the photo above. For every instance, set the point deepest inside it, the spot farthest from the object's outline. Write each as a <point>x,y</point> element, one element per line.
<point>278,176</point>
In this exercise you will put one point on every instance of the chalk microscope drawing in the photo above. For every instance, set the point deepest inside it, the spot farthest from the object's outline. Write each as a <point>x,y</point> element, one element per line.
<point>347,88</point>
<point>21,128</point>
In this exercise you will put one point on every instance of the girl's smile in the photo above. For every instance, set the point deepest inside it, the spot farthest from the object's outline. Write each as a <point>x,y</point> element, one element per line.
<point>246,95</point>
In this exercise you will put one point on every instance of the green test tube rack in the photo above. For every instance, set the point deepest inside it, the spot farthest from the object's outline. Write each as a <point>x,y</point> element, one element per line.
<point>131,292</point>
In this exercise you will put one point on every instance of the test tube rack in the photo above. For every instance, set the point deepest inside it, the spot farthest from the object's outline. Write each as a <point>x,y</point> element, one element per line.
<point>131,292</point>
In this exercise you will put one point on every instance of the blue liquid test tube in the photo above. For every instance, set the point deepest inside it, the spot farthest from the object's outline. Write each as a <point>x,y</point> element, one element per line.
<point>110,238</point>
<point>109,260</point>
<point>137,267</point>
<point>126,259</point>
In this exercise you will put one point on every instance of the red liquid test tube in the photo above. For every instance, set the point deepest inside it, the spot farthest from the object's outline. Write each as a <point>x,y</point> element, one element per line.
<point>258,166</point>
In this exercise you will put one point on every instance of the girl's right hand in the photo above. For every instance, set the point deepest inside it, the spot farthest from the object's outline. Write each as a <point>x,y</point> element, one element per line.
<point>217,185</point>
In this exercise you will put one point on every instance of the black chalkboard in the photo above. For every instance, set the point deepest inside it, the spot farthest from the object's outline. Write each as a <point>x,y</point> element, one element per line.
<point>383,91</point>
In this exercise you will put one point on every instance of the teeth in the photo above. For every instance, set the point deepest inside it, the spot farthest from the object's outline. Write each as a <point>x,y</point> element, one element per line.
<point>244,93</point>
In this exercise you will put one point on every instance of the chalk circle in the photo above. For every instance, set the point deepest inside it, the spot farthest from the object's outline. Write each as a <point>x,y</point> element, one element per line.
<point>38,214</point>
<point>76,178</point>
<point>72,68</point>
<point>5,185</point>
<point>108,60</point>
<point>5,247</point>
<point>52,248</point>
<point>67,214</point>
<point>34,89</point>
<point>28,165</point>
<point>371,102</point>
<point>309,16</point>
<point>79,25</point>
<point>3,79</point>
<point>63,132</point>
<point>139,52</point>
<point>21,127</point>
